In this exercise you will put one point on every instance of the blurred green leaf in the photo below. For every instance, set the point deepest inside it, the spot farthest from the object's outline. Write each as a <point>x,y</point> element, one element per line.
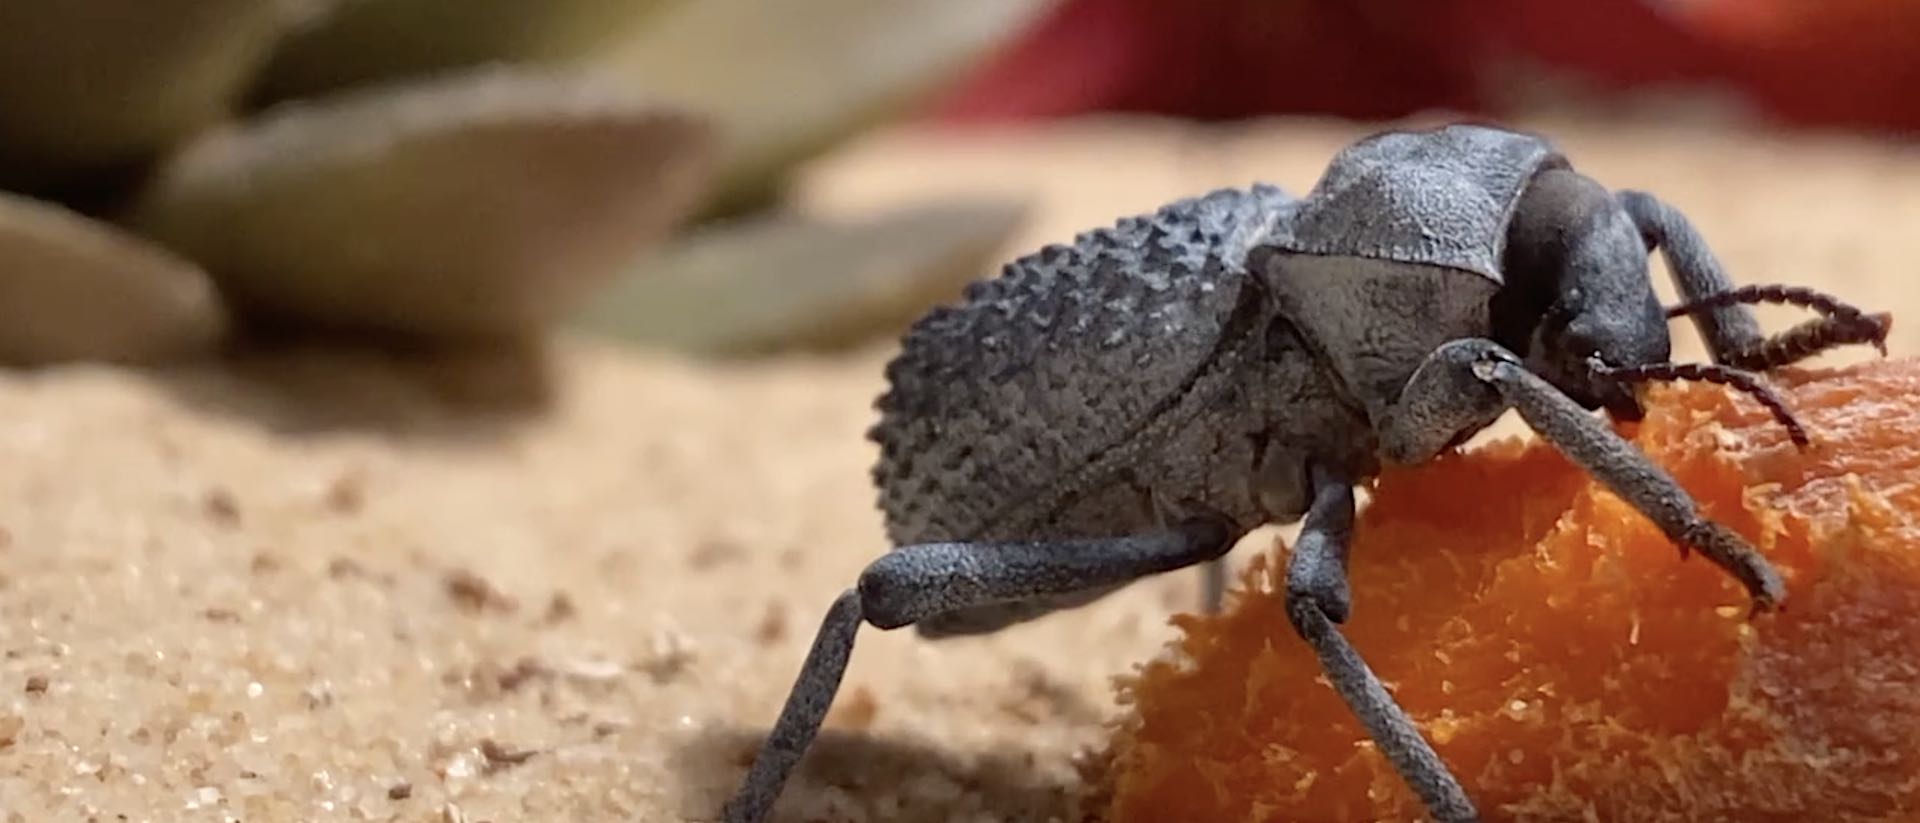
<point>368,41</point>
<point>480,204</point>
<point>789,78</point>
<point>73,288</point>
<point>771,283</point>
<point>92,85</point>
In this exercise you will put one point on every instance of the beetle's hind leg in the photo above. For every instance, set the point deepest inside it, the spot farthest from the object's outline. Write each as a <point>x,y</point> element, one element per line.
<point>993,618</point>
<point>807,704</point>
<point>1318,599</point>
<point>922,582</point>
<point>1213,585</point>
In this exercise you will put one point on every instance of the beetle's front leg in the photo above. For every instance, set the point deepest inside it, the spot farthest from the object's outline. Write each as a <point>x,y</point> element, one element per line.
<point>1442,405</point>
<point>1589,442</point>
<point>1696,273</point>
<point>1719,308</point>
<point>1472,381</point>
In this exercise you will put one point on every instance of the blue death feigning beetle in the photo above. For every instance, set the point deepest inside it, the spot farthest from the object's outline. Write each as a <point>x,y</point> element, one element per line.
<point>1138,400</point>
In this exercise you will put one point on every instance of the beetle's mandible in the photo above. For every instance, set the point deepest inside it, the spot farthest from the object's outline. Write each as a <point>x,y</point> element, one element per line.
<point>1139,400</point>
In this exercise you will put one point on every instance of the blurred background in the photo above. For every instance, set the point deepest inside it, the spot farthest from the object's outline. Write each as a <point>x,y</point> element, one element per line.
<point>281,537</point>
<point>183,178</point>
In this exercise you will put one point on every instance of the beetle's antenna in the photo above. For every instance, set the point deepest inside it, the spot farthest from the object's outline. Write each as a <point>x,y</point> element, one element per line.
<point>1801,296</point>
<point>1712,373</point>
<point>1842,324</point>
<point>1811,338</point>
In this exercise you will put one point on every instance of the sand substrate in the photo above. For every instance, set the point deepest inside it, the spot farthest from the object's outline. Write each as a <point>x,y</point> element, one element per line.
<point>323,586</point>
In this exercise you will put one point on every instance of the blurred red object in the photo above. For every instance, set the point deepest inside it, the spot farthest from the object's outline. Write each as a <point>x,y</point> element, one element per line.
<point>1828,62</point>
<point>1851,63</point>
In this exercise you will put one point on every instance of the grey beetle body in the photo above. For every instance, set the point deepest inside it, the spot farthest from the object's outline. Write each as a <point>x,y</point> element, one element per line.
<point>1146,373</point>
<point>1137,401</point>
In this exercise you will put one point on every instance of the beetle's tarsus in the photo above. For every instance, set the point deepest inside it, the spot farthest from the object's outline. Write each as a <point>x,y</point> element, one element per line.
<point>1732,552</point>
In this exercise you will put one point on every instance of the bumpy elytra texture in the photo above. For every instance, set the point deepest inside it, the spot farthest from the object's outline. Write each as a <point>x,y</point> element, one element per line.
<point>1053,378</point>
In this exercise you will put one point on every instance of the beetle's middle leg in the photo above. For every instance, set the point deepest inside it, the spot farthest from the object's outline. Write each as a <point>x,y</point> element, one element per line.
<point>922,582</point>
<point>1319,598</point>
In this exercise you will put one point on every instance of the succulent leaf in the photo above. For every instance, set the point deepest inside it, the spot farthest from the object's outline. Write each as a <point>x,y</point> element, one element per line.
<point>789,78</point>
<point>767,284</point>
<point>478,204</point>
<point>91,86</point>
<point>372,41</point>
<point>75,288</point>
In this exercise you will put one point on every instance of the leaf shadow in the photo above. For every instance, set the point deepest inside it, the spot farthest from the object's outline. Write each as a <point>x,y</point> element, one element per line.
<point>463,391</point>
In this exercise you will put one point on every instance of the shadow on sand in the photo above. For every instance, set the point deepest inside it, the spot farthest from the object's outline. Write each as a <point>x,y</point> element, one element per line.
<point>850,766</point>
<point>463,392</point>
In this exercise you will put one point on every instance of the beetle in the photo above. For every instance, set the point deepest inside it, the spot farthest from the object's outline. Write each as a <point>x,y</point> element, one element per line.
<point>1137,401</point>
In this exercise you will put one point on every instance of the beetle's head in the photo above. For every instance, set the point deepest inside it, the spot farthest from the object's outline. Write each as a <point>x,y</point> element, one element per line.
<point>1577,304</point>
<point>1579,298</point>
<point>1596,324</point>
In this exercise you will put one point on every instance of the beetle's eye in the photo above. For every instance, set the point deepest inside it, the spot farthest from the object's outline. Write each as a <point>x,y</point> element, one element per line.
<point>1562,311</point>
<point>1554,323</point>
<point>1579,339</point>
